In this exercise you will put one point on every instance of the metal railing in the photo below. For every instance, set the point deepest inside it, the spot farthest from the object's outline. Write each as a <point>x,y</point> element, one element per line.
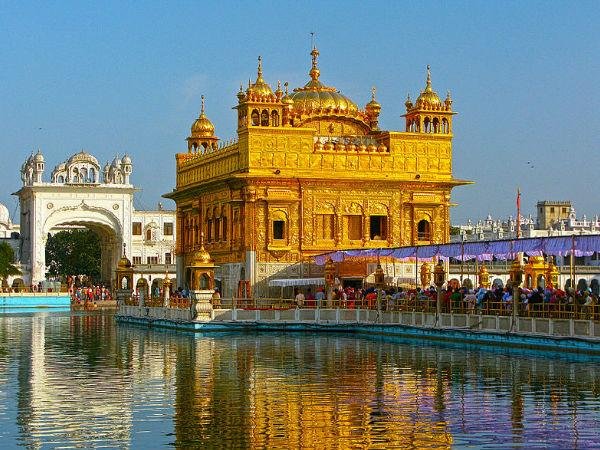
<point>408,304</point>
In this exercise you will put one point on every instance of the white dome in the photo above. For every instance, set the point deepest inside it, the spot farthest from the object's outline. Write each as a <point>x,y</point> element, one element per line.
<point>4,215</point>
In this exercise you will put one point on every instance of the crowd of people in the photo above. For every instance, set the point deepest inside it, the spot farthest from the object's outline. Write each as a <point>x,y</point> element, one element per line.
<point>496,299</point>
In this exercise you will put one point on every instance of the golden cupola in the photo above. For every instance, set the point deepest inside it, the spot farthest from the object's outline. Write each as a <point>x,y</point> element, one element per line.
<point>373,109</point>
<point>202,126</point>
<point>428,97</point>
<point>315,101</point>
<point>260,90</point>
<point>202,137</point>
<point>429,114</point>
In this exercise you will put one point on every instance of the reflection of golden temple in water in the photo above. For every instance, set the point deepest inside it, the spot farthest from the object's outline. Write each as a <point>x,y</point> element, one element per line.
<point>311,172</point>
<point>288,408</point>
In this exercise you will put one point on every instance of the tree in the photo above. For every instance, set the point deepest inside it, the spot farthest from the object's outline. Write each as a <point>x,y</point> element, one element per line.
<point>7,259</point>
<point>74,252</point>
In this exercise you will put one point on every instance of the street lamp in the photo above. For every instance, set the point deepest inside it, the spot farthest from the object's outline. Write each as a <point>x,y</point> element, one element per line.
<point>439,278</point>
<point>516,276</point>
<point>329,279</point>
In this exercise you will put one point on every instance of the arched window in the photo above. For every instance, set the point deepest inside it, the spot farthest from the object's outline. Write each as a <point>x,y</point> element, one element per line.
<point>209,230</point>
<point>274,118</point>
<point>445,129</point>
<point>61,179</point>
<point>264,118</point>
<point>427,125</point>
<point>424,230</point>
<point>255,118</point>
<point>92,175</point>
<point>224,225</point>
<point>149,234</point>
<point>436,125</point>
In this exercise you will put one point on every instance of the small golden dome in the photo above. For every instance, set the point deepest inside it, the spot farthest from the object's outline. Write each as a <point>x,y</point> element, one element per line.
<point>200,258</point>
<point>202,127</point>
<point>260,87</point>
<point>124,263</point>
<point>316,97</point>
<point>428,97</point>
<point>373,106</point>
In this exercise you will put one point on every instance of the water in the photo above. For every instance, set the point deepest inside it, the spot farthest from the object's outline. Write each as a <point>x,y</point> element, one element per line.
<point>81,381</point>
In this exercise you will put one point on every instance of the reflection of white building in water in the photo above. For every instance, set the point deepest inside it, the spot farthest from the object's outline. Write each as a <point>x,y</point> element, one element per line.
<point>82,194</point>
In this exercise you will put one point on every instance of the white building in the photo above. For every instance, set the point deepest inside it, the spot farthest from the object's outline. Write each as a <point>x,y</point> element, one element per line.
<point>81,194</point>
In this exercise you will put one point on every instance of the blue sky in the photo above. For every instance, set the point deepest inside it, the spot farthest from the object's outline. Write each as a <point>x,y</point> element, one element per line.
<point>126,77</point>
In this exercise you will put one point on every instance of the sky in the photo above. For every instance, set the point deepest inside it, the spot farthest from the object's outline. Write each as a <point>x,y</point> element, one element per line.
<point>126,77</point>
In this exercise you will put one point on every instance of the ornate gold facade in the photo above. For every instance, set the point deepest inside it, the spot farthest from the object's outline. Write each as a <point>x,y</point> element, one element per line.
<point>312,172</point>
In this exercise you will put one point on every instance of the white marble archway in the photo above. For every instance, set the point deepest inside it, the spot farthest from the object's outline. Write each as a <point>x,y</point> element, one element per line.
<point>98,219</point>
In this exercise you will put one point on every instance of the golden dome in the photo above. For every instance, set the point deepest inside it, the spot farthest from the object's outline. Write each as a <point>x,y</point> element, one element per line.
<point>428,97</point>
<point>202,127</point>
<point>373,106</point>
<point>124,263</point>
<point>316,97</point>
<point>260,87</point>
<point>200,258</point>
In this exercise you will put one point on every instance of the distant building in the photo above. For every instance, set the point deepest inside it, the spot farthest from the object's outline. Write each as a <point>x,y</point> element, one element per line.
<point>549,213</point>
<point>552,215</point>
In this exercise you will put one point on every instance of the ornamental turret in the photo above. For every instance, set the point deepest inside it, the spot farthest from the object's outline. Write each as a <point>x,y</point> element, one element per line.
<point>259,106</point>
<point>38,166</point>
<point>373,109</point>
<point>202,137</point>
<point>429,114</point>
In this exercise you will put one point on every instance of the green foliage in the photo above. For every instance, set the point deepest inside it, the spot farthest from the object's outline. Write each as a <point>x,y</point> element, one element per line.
<point>74,252</point>
<point>7,259</point>
<point>454,231</point>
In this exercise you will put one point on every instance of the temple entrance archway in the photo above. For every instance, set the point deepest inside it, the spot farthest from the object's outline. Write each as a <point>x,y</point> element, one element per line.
<point>79,194</point>
<point>103,223</point>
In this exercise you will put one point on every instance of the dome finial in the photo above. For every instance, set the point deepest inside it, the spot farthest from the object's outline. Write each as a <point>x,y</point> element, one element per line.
<point>259,66</point>
<point>202,109</point>
<point>314,71</point>
<point>286,87</point>
<point>373,92</point>
<point>428,77</point>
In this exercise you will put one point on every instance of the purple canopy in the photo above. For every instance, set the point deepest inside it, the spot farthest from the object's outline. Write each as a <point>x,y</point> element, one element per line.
<point>582,245</point>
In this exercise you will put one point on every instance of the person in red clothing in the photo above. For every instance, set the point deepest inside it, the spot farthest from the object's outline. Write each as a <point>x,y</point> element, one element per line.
<point>309,298</point>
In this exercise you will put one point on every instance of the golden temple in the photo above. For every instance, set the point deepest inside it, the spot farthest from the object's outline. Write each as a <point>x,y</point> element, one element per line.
<point>311,172</point>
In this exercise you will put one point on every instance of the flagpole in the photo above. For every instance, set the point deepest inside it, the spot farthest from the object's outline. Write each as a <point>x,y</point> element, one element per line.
<point>518,213</point>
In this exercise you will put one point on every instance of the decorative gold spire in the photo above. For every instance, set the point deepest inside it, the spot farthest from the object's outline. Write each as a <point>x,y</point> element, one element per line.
<point>373,105</point>
<point>314,71</point>
<point>428,87</point>
<point>260,87</point>
<point>259,71</point>
<point>428,97</point>
<point>202,126</point>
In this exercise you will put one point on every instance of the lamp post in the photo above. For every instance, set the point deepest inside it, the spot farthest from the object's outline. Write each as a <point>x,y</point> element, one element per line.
<point>439,277</point>
<point>516,272</point>
<point>329,279</point>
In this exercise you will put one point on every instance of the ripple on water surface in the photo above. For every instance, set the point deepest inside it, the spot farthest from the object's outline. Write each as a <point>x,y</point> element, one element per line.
<point>81,381</point>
